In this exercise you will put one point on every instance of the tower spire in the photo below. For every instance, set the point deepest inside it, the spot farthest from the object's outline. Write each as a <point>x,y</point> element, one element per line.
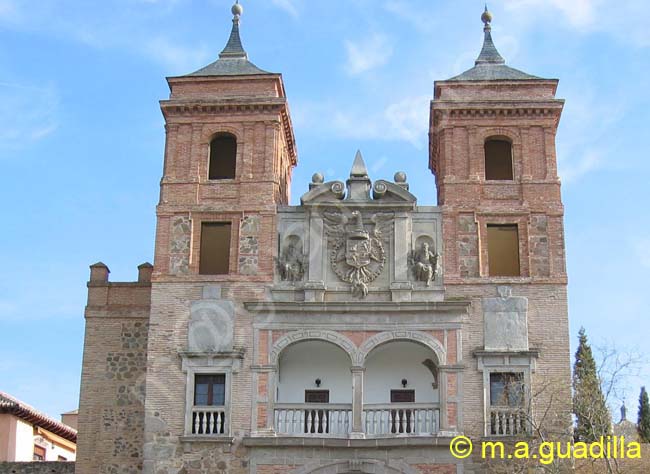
<point>234,48</point>
<point>489,53</point>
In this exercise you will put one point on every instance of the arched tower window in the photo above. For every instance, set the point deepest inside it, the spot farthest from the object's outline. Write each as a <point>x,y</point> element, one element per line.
<point>223,157</point>
<point>498,159</point>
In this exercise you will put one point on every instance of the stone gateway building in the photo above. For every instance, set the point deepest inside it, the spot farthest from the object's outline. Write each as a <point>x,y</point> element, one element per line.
<point>358,332</point>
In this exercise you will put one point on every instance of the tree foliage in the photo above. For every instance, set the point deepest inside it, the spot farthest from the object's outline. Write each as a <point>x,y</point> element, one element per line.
<point>643,424</point>
<point>593,419</point>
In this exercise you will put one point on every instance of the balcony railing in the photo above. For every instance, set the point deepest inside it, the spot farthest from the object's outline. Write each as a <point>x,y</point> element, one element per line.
<point>401,418</point>
<point>508,421</point>
<point>377,420</point>
<point>209,421</point>
<point>318,419</point>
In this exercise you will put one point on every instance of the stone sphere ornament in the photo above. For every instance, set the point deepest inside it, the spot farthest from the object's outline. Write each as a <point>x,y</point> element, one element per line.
<point>237,9</point>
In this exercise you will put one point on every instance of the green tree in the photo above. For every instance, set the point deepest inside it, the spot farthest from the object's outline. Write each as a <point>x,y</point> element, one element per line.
<point>643,424</point>
<point>593,419</point>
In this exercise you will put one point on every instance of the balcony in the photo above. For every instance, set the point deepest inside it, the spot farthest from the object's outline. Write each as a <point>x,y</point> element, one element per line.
<point>335,420</point>
<point>508,421</point>
<point>422,419</point>
<point>209,421</point>
<point>318,419</point>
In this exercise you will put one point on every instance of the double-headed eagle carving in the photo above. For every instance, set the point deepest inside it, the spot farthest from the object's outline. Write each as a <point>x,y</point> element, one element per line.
<point>357,253</point>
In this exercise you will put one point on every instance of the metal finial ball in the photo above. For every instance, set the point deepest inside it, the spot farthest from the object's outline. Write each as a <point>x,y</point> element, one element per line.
<point>237,9</point>
<point>318,178</point>
<point>486,17</point>
<point>400,177</point>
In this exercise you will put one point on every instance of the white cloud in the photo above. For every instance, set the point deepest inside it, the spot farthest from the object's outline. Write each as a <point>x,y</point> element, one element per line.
<point>27,114</point>
<point>7,8</point>
<point>178,58</point>
<point>586,124</point>
<point>405,120</point>
<point>571,170</point>
<point>580,13</point>
<point>288,6</point>
<point>642,249</point>
<point>627,21</point>
<point>368,53</point>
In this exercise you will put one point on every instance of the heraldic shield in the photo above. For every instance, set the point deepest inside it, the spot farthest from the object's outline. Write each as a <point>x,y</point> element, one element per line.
<point>358,256</point>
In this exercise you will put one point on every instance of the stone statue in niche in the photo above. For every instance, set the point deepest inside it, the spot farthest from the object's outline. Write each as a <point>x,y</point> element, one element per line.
<point>425,263</point>
<point>291,264</point>
<point>357,255</point>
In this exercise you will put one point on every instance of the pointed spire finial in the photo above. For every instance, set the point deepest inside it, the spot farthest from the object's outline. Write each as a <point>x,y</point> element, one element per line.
<point>234,48</point>
<point>359,169</point>
<point>489,53</point>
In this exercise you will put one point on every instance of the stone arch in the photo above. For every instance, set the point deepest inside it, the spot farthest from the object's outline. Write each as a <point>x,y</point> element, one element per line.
<point>493,132</point>
<point>412,336</point>
<point>362,466</point>
<point>313,335</point>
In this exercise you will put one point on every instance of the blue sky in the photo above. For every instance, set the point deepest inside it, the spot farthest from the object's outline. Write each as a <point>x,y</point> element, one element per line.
<point>81,139</point>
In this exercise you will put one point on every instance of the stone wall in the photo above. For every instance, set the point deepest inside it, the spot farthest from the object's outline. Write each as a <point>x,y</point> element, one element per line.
<point>111,409</point>
<point>37,467</point>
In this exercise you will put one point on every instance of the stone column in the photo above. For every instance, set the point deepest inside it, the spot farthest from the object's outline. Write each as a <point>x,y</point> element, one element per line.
<point>400,285</point>
<point>442,387</point>
<point>315,286</point>
<point>270,401</point>
<point>357,402</point>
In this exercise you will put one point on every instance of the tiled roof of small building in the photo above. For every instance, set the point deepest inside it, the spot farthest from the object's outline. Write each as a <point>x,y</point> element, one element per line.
<point>22,410</point>
<point>233,60</point>
<point>490,65</point>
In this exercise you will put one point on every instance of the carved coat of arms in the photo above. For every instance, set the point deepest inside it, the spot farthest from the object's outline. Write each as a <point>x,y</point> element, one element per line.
<point>357,254</point>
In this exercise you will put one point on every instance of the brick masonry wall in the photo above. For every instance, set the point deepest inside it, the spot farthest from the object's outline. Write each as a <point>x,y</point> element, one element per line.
<point>111,407</point>
<point>37,467</point>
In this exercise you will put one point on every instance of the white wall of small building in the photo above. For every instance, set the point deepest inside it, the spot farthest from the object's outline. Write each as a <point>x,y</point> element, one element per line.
<point>304,362</point>
<point>24,441</point>
<point>388,364</point>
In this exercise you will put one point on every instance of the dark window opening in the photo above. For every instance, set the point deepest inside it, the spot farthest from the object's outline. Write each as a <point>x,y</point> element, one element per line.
<point>503,250</point>
<point>506,389</point>
<point>39,453</point>
<point>402,396</point>
<point>316,419</point>
<point>223,157</point>
<point>498,160</point>
<point>210,390</point>
<point>317,396</point>
<point>215,248</point>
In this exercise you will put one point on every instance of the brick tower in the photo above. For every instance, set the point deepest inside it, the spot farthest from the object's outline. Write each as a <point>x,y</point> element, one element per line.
<point>492,151</point>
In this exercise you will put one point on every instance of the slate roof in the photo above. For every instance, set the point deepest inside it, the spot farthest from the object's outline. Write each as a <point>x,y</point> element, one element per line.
<point>13,406</point>
<point>490,65</point>
<point>233,60</point>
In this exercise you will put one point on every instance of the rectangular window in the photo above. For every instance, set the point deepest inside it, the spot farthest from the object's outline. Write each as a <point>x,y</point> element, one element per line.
<point>215,248</point>
<point>317,396</point>
<point>506,389</point>
<point>503,249</point>
<point>39,453</point>
<point>210,390</point>
<point>498,160</point>
<point>402,396</point>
